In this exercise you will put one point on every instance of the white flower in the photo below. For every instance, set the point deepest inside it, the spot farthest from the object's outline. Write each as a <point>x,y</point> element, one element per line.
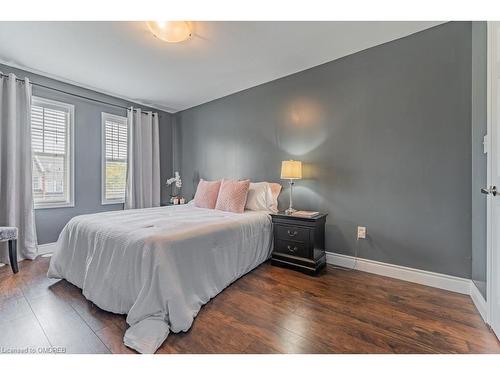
<point>176,179</point>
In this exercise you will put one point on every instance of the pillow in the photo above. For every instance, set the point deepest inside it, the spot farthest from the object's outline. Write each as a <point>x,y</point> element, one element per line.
<point>259,197</point>
<point>232,196</point>
<point>206,194</point>
<point>275,192</point>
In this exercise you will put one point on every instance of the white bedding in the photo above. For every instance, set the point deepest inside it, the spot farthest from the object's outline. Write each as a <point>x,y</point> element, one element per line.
<point>159,265</point>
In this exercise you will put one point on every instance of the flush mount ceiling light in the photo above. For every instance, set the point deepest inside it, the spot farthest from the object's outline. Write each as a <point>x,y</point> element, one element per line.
<point>170,31</point>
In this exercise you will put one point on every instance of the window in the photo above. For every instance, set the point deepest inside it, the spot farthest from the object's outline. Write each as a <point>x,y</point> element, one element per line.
<point>114,159</point>
<point>52,151</point>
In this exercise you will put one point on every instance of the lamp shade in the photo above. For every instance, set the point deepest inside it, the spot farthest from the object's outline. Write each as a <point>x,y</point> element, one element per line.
<point>291,170</point>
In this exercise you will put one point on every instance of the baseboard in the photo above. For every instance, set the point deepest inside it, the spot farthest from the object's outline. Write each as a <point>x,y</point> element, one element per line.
<point>436,280</point>
<point>46,248</point>
<point>479,301</point>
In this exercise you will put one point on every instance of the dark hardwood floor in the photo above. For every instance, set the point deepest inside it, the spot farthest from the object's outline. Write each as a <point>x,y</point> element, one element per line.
<point>270,310</point>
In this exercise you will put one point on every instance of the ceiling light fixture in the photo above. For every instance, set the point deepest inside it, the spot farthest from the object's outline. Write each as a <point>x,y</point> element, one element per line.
<point>170,31</point>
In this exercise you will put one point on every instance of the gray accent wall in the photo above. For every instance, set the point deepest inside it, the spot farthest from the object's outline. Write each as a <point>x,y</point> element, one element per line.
<point>479,160</point>
<point>385,138</point>
<point>49,222</point>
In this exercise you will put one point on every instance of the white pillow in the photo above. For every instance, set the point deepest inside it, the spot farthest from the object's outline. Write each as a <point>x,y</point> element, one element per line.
<point>259,197</point>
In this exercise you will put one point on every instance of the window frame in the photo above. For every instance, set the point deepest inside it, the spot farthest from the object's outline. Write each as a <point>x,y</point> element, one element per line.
<point>105,116</point>
<point>70,143</point>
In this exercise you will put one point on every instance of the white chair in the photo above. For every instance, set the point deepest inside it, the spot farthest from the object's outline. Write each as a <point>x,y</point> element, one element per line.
<point>10,234</point>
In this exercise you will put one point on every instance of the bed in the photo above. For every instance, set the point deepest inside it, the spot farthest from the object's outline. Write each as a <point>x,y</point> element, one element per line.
<point>159,265</point>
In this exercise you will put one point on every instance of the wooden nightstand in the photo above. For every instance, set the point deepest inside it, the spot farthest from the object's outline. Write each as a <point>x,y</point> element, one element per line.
<point>299,243</point>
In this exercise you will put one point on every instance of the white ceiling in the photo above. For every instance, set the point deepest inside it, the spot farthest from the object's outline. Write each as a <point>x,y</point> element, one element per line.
<point>125,60</point>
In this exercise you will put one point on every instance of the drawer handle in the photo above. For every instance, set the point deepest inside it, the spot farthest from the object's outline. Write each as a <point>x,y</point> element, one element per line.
<point>295,248</point>
<point>292,234</point>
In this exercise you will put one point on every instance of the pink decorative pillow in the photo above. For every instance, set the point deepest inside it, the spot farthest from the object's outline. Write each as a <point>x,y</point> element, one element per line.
<point>206,194</point>
<point>275,191</point>
<point>232,196</point>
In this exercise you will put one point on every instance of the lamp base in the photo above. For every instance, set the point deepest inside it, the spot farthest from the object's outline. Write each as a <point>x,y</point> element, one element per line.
<point>290,211</point>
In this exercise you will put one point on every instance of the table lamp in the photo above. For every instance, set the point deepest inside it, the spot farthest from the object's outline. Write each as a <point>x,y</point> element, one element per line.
<point>291,170</point>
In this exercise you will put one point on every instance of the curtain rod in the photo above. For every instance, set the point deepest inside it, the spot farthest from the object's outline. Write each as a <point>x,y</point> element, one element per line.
<point>70,93</point>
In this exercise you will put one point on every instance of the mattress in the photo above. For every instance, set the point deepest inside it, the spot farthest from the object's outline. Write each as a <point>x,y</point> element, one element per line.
<point>159,265</point>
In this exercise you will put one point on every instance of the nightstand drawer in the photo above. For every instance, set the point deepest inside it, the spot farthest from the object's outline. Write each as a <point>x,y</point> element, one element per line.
<point>292,248</point>
<point>293,233</point>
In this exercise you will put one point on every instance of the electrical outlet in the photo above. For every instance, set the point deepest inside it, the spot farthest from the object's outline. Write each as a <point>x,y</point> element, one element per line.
<point>361,233</point>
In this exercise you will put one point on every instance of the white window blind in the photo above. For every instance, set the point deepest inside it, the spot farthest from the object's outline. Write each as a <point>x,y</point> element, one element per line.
<point>51,139</point>
<point>114,165</point>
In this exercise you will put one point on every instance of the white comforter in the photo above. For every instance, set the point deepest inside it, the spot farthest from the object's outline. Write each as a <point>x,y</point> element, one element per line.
<point>159,265</point>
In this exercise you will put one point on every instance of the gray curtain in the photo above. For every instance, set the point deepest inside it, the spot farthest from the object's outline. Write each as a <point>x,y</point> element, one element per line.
<point>143,162</point>
<point>16,195</point>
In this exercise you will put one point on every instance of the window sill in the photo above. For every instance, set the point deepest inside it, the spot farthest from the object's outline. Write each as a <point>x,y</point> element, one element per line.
<point>107,203</point>
<point>54,205</point>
